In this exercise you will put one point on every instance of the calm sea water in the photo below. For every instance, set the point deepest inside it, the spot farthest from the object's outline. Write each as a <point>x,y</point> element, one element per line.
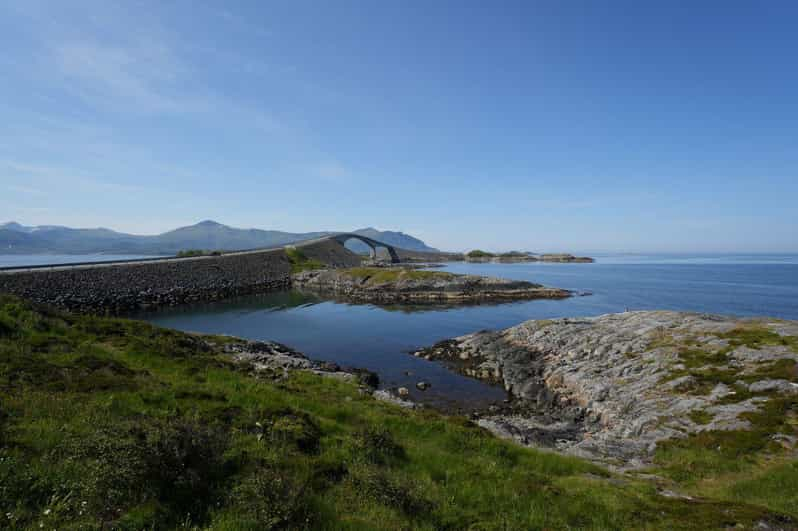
<point>380,338</point>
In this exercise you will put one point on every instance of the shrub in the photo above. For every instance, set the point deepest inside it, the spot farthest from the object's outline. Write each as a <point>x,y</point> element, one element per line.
<point>177,463</point>
<point>22,491</point>
<point>300,262</point>
<point>367,378</point>
<point>7,326</point>
<point>268,498</point>
<point>288,427</point>
<point>170,343</point>
<point>191,252</point>
<point>185,465</point>
<point>376,446</point>
<point>3,422</point>
<point>392,491</point>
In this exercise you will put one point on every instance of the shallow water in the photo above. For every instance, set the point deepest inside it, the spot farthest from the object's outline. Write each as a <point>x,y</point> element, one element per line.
<point>380,338</point>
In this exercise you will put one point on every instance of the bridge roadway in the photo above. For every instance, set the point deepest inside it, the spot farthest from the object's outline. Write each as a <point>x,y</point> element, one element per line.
<point>339,238</point>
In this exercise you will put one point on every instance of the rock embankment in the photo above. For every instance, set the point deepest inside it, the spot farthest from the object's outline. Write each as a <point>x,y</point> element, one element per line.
<point>404,285</point>
<point>127,286</point>
<point>611,388</point>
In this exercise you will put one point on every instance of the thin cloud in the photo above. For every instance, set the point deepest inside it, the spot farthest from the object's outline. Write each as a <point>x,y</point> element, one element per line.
<point>331,171</point>
<point>140,77</point>
<point>25,190</point>
<point>149,79</point>
<point>61,175</point>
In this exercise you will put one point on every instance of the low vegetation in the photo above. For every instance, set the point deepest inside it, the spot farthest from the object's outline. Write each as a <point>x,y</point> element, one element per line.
<point>757,464</point>
<point>755,336</point>
<point>197,252</point>
<point>110,423</point>
<point>379,275</point>
<point>300,262</point>
<point>477,253</point>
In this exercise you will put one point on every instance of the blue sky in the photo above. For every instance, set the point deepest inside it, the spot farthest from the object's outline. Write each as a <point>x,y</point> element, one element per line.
<point>562,125</point>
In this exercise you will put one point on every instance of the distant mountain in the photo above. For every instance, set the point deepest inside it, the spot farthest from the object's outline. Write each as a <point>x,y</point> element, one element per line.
<point>16,227</point>
<point>16,239</point>
<point>10,240</point>
<point>21,239</point>
<point>213,235</point>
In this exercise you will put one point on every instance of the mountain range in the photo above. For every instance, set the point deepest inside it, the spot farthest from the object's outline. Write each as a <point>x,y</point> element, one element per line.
<point>210,235</point>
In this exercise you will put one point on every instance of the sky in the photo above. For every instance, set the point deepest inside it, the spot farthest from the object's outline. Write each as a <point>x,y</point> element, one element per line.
<point>536,125</point>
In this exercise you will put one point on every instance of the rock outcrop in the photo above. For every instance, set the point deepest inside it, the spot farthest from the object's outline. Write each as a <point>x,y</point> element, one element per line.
<point>404,285</point>
<point>611,388</point>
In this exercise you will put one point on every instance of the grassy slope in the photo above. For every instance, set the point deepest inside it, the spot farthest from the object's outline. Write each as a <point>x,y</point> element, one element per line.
<point>300,262</point>
<point>115,422</point>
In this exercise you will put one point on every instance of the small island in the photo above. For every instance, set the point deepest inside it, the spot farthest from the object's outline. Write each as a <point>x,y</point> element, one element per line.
<point>409,285</point>
<point>479,255</point>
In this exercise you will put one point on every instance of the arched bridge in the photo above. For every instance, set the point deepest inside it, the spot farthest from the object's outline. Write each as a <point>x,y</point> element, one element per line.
<point>373,244</point>
<point>343,237</point>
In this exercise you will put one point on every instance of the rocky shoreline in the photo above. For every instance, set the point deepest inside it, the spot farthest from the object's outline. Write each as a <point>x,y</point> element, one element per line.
<point>406,285</point>
<point>613,388</point>
<point>275,361</point>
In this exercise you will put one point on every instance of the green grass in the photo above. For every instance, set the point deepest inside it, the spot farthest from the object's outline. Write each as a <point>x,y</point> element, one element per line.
<point>300,262</point>
<point>110,423</point>
<point>379,275</point>
<point>776,487</point>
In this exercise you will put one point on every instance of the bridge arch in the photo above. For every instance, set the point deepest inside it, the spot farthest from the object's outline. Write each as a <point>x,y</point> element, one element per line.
<point>372,244</point>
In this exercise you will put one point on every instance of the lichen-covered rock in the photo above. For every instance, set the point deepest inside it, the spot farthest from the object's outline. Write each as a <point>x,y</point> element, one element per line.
<point>612,387</point>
